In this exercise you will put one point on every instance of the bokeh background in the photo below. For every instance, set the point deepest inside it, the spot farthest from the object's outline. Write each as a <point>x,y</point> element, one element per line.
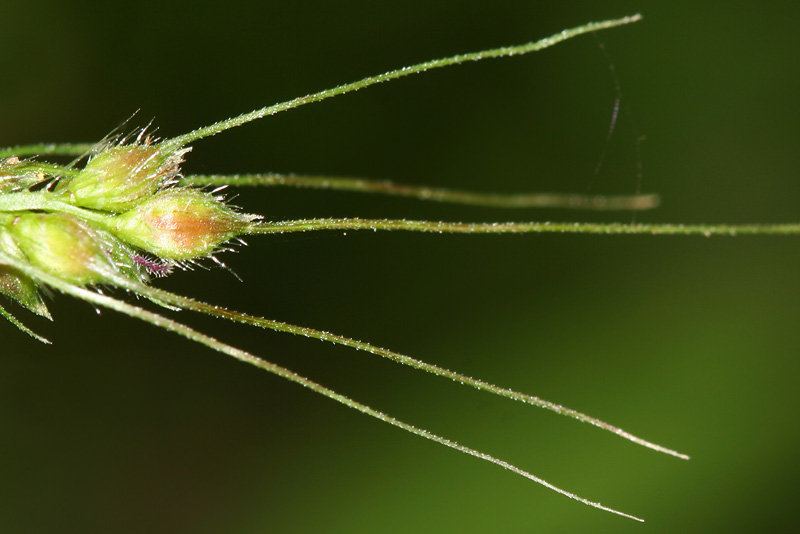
<point>688,341</point>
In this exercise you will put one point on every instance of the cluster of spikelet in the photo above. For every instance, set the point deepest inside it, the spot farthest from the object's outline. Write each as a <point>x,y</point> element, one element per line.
<point>120,217</point>
<point>127,213</point>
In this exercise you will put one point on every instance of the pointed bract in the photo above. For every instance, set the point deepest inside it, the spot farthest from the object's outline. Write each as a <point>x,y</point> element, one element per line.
<point>16,285</point>
<point>66,247</point>
<point>180,224</point>
<point>121,177</point>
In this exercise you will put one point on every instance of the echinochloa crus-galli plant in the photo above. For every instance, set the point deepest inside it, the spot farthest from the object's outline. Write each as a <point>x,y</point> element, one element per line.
<point>122,213</point>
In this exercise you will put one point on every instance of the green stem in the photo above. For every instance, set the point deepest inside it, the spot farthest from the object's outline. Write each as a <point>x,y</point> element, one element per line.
<point>200,133</point>
<point>307,225</point>
<point>28,201</point>
<point>244,356</point>
<point>48,149</point>
<point>227,124</point>
<point>43,200</point>
<point>469,198</point>
<point>162,296</point>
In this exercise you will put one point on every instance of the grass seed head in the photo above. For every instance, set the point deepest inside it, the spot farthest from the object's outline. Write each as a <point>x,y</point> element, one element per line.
<point>121,177</point>
<point>66,247</point>
<point>101,224</point>
<point>181,224</point>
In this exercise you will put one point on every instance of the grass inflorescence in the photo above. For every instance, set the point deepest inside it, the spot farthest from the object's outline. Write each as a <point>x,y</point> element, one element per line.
<point>123,213</point>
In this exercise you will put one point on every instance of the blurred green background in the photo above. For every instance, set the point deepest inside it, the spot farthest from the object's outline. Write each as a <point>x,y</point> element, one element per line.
<point>688,341</point>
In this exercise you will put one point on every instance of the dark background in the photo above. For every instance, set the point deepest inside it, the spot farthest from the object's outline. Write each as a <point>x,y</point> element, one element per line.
<point>688,341</point>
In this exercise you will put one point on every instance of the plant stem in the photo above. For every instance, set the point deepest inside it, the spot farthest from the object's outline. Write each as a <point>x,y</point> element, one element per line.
<point>43,200</point>
<point>181,302</point>
<point>307,225</point>
<point>48,149</point>
<point>227,124</point>
<point>244,356</point>
<point>469,198</point>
